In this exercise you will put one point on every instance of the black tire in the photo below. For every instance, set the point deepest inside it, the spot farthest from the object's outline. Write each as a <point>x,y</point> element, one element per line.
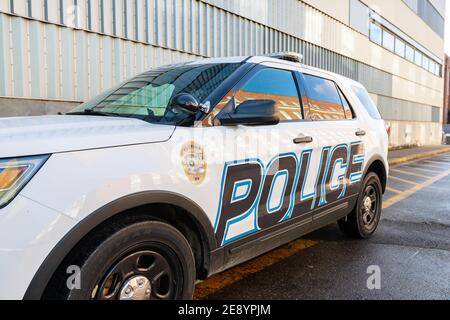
<point>360,223</point>
<point>151,258</point>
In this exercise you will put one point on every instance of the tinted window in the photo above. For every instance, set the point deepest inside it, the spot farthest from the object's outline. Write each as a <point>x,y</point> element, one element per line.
<point>347,109</point>
<point>324,99</point>
<point>367,102</point>
<point>276,85</point>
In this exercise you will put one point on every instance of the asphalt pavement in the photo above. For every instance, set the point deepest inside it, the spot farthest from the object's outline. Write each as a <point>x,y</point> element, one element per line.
<point>409,254</point>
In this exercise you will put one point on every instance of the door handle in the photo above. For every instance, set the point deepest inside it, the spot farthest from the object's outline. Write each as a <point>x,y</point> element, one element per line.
<point>360,133</point>
<point>301,140</point>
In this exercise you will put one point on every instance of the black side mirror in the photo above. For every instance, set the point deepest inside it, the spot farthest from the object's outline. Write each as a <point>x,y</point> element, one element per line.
<point>251,113</point>
<point>185,103</point>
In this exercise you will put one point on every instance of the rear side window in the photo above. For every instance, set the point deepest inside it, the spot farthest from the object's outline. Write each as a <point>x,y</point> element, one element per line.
<point>324,99</point>
<point>367,102</point>
<point>277,85</point>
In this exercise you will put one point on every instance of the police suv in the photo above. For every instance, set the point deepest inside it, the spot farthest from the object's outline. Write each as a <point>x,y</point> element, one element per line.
<point>182,172</point>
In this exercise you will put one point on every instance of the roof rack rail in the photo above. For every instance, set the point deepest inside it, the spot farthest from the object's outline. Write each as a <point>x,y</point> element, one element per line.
<point>288,56</point>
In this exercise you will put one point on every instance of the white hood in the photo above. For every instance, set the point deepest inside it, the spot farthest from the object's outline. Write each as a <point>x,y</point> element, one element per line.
<point>25,136</point>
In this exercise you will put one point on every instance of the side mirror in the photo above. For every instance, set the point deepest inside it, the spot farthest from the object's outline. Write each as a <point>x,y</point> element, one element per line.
<point>185,103</point>
<point>251,113</point>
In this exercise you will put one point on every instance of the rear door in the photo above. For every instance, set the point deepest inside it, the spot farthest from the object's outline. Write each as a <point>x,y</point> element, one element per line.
<point>340,138</point>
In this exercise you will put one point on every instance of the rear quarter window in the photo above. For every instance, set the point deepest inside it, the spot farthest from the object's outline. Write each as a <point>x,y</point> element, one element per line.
<point>367,102</point>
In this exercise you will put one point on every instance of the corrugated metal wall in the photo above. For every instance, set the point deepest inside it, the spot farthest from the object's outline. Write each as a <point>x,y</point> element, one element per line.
<point>73,49</point>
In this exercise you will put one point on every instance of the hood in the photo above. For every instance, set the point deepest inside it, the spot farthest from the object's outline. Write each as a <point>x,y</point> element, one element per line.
<point>26,136</point>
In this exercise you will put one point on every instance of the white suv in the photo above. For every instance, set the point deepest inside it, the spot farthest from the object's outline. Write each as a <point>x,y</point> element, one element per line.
<point>142,191</point>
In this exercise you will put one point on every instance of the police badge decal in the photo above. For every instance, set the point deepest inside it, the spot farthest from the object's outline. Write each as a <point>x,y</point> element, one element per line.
<point>193,162</point>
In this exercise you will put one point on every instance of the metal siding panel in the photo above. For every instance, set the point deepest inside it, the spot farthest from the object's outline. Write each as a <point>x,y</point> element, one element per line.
<point>17,55</point>
<point>117,61</point>
<point>127,65</point>
<point>81,66</point>
<point>35,58</point>
<point>94,62</point>
<point>51,40</point>
<point>67,63</point>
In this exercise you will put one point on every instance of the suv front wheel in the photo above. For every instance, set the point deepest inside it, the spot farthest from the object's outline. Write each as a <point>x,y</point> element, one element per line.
<point>147,260</point>
<point>363,221</point>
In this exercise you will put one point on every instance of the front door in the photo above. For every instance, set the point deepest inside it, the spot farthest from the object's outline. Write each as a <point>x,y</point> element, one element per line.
<point>269,180</point>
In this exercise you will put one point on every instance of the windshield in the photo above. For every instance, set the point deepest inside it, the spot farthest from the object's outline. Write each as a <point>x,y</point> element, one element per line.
<point>148,95</point>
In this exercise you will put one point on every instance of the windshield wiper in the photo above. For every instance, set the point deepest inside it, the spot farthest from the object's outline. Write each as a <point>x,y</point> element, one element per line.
<point>91,112</point>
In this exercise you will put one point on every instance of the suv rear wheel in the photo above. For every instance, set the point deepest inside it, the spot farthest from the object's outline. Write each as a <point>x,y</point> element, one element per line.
<point>147,260</point>
<point>363,221</point>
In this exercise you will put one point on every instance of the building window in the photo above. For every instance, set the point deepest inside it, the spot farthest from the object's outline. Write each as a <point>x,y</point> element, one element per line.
<point>376,33</point>
<point>425,62</point>
<point>388,40</point>
<point>409,53</point>
<point>399,47</point>
<point>381,36</point>
<point>418,58</point>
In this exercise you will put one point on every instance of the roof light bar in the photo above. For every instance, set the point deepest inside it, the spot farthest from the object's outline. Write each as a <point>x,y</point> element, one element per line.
<point>288,56</point>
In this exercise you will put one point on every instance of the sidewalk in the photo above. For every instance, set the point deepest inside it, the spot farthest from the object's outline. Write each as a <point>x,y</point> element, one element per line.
<point>404,155</point>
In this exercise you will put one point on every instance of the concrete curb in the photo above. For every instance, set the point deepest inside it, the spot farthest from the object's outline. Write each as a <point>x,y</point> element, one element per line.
<point>417,156</point>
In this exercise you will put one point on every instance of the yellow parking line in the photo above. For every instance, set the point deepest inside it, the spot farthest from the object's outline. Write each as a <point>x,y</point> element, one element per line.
<point>402,196</point>
<point>221,280</point>
<point>402,180</point>
<point>393,190</point>
<point>410,173</point>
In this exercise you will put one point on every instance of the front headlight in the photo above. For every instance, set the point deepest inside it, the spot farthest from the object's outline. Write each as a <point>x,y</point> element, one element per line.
<point>15,174</point>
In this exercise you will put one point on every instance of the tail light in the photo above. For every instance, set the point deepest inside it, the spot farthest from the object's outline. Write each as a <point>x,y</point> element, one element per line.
<point>388,129</point>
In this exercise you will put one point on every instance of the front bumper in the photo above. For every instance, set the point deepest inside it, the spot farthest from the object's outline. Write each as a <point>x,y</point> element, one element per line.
<point>28,233</point>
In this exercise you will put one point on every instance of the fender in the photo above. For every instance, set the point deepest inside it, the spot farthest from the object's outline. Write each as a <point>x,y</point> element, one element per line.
<point>385,168</point>
<point>70,240</point>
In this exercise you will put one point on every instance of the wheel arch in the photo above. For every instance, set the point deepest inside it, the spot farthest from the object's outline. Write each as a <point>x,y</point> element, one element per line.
<point>192,211</point>
<point>377,165</point>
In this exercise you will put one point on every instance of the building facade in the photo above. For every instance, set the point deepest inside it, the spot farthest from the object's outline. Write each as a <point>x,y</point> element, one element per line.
<point>446,112</point>
<point>55,54</point>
